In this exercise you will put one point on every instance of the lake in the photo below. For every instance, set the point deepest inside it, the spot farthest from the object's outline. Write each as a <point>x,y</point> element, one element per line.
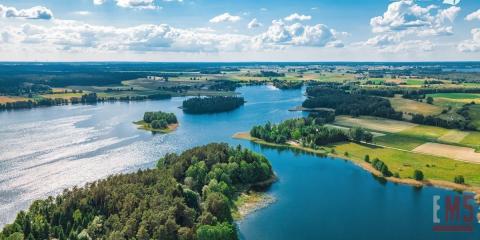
<point>46,150</point>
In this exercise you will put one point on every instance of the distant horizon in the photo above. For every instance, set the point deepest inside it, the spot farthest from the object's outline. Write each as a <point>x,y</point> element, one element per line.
<point>246,31</point>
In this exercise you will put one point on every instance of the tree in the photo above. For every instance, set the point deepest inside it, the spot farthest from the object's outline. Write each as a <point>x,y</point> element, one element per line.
<point>418,175</point>
<point>429,100</point>
<point>367,158</point>
<point>223,231</point>
<point>459,179</point>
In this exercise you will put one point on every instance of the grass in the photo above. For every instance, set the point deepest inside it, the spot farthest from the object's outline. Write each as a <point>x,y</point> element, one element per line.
<point>415,82</point>
<point>145,126</point>
<point>410,106</point>
<point>472,139</point>
<point>403,162</point>
<point>374,123</point>
<point>426,132</point>
<point>399,141</point>
<point>455,95</point>
<point>436,168</point>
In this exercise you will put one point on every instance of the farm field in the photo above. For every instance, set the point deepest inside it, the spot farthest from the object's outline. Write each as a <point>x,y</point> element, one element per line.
<point>5,99</point>
<point>449,151</point>
<point>410,106</point>
<point>404,162</point>
<point>374,123</point>
<point>63,95</point>
<point>399,141</point>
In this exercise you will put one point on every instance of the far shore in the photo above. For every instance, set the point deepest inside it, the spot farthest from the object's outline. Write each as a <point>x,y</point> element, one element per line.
<point>144,126</point>
<point>408,181</point>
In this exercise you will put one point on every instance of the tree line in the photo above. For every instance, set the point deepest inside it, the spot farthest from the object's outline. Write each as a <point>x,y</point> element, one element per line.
<point>85,99</point>
<point>308,132</point>
<point>188,196</point>
<point>349,103</point>
<point>199,105</point>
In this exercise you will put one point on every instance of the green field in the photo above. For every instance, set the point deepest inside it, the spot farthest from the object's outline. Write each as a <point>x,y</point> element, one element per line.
<point>473,139</point>
<point>425,132</point>
<point>399,141</point>
<point>455,95</point>
<point>415,82</point>
<point>405,163</point>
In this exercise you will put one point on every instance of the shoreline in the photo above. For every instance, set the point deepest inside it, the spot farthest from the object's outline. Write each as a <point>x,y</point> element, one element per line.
<point>143,126</point>
<point>367,167</point>
<point>250,202</point>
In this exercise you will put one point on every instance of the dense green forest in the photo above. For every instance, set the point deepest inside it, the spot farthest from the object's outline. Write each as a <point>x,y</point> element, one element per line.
<point>285,85</point>
<point>159,120</point>
<point>188,196</point>
<point>214,104</point>
<point>346,103</point>
<point>309,132</point>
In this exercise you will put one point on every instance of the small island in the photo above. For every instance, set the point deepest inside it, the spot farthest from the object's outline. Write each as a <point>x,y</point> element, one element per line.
<point>161,122</point>
<point>216,104</point>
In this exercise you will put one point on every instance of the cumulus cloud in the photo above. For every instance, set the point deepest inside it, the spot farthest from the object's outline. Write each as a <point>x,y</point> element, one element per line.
<point>137,4</point>
<point>473,16</point>
<point>406,15</point>
<point>254,24</point>
<point>405,24</point>
<point>296,34</point>
<point>225,17</point>
<point>472,45</point>
<point>297,17</point>
<point>37,12</point>
<point>71,36</point>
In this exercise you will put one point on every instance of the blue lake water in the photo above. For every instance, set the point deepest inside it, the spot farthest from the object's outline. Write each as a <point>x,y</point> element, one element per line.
<point>45,150</point>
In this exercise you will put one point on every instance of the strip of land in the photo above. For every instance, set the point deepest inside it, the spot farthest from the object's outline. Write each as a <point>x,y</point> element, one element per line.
<point>440,171</point>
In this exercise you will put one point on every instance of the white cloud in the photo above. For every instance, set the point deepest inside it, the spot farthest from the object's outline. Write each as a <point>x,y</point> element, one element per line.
<point>405,25</point>
<point>99,2</point>
<point>472,45</point>
<point>281,34</point>
<point>296,16</point>
<point>74,36</point>
<point>410,46</point>
<point>37,12</point>
<point>473,16</point>
<point>406,15</point>
<point>254,24</point>
<point>225,17</point>
<point>139,4</point>
<point>82,13</point>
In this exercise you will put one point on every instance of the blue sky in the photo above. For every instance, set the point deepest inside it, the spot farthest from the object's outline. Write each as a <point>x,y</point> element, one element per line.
<point>232,30</point>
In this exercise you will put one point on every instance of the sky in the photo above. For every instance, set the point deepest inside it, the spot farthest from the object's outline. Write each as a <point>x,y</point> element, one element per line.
<point>239,30</point>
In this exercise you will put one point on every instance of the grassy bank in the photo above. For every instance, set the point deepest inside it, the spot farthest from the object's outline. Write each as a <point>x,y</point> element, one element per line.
<point>438,171</point>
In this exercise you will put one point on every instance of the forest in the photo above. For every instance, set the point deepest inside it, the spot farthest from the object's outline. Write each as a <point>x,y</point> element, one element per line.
<point>308,132</point>
<point>159,120</point>
<point>285,85</point>
<point>353,104</point>
<point>215,104</point>
<point>188,196</point>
